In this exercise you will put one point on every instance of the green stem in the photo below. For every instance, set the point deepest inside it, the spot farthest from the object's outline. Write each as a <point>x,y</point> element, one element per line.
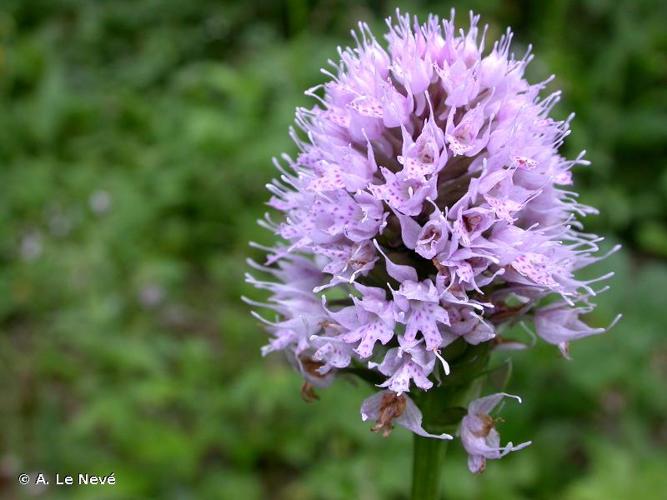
<point>427,458</point>
<point>441,409</point>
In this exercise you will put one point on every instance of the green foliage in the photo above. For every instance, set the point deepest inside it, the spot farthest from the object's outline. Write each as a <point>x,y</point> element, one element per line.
<point>135,143</point>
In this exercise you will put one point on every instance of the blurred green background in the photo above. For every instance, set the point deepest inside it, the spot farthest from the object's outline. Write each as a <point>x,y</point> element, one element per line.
<point>135,142</point>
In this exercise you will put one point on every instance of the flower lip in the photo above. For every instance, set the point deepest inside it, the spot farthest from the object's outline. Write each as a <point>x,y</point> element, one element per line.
<point>391,407</point>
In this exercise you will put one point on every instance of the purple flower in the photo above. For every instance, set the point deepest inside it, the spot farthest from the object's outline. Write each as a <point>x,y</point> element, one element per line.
<point>426,206</point>
<point>387,408</point>
<point>368,321</point>
<point>479,435</point>
<point>406,364</point>
<point>559,324</point>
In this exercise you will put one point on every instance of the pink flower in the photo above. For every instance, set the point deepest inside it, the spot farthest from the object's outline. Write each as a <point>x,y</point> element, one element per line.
<point>387,408</point>
<point>559,324</point>
<point>479,435</point>
<point>426,201</point>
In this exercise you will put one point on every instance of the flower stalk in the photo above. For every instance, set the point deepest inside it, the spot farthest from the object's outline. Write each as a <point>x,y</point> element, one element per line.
<point>427,464</point>
<point>427,454</point>
<point>440,409</point>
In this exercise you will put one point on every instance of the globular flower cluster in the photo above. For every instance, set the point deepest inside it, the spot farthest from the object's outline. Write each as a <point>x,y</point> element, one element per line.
<point>428,204</point>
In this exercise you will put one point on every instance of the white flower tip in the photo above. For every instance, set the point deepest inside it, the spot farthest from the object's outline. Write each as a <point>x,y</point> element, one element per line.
<point>615,321</point>
<point>513,396</point>
<point>445,365</point>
